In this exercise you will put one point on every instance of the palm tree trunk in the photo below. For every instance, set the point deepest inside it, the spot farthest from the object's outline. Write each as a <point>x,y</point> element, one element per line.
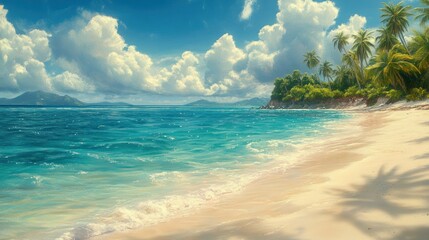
<point>402,38</point>
<point>357,80</point>
<point>361,72</point>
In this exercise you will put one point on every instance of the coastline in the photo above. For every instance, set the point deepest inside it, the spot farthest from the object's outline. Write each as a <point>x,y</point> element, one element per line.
<point>352,185</point>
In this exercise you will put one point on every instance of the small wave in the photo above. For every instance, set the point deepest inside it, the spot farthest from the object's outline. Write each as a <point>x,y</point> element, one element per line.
<point>100,157</point>
<point>36,180</point>
<point>253,149</point>
<point>132,146</point>
<point>150,212</point>
<point>271,146</point>
<point>163,177</point>
<point>52,166</point>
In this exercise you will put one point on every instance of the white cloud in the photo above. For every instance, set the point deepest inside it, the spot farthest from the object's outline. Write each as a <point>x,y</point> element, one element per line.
<point>355,23</point>
<point>184,78</point>
<point>247,11</point>
<point>221,57</point>
<point>100,55</point>
<point>68,82</point>
<point>22,58</point>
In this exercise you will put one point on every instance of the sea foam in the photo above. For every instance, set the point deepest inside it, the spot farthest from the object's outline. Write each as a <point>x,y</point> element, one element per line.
<point>151,212</point>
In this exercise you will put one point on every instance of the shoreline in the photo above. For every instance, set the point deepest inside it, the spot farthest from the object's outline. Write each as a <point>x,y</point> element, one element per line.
<point>357,104</point>
<point>307,200</point>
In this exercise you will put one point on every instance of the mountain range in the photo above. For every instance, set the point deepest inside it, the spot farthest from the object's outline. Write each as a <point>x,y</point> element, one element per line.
<point>41,98</point>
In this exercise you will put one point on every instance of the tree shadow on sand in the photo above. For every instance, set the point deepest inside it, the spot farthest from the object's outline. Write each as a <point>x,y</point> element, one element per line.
<point>420,140</point>
<point>426,123</point>
<point>421,157</point>
<point>385,192</point>
<point>243,230</point>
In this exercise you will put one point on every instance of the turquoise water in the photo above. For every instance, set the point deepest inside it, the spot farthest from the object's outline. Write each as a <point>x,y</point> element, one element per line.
<point>73,173</point>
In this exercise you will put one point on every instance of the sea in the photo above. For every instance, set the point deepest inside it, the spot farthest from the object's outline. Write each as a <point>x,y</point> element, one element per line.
<point>77,173</point>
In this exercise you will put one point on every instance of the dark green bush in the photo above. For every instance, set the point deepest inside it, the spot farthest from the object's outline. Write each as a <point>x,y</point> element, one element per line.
<point>353,92</point>
<point>394,95</point>
<point>317,94</point>
<point>337,94</point>
<point>417,94</point>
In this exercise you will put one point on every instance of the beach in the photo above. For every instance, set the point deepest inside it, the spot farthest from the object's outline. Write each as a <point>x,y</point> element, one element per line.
<point>368,181</point>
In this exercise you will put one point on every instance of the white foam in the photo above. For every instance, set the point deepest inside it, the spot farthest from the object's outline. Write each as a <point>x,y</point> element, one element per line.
<point>150,212</point>
<point>37,180</point>
<point>163,177</point>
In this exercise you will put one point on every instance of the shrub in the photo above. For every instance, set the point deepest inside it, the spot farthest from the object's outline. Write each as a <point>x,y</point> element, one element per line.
<point>373,93</point>
<point>353,92</point>
<point>416,94</point>
<point>394,95</point>
<point>317,94</point>
<point>297,93</point>
<point>337,94</point>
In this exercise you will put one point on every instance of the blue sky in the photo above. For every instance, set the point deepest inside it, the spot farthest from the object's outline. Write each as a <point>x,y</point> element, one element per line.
<point>183,49</point>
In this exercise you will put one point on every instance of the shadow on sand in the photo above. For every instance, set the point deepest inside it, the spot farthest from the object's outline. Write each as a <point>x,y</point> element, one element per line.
<point>421,140</point>
<point>423,156</point>
<point>385,192</point>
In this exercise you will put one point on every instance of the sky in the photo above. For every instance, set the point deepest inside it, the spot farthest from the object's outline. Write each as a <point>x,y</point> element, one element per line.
<point>168,51</point>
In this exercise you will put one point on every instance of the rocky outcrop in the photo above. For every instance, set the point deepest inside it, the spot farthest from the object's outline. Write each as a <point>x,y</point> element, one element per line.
<point>341,103</point>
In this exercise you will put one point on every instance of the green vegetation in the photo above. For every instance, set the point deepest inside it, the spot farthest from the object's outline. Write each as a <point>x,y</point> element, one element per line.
<point>374,64</point>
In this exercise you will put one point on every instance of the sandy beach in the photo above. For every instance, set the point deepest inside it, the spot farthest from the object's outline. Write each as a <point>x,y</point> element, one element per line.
<point>369,181</point>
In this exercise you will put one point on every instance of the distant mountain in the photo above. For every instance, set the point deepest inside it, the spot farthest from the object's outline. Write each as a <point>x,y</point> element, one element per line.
<point>40,98</point>
<point>204,103</point>
<point>116,104</point>
<point>254,102</point>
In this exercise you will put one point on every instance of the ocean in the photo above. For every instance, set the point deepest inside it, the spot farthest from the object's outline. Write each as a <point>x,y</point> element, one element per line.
<point>75,173</point>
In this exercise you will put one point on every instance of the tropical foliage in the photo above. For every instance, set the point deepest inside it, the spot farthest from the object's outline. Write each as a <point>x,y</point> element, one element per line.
<point>374,64</point>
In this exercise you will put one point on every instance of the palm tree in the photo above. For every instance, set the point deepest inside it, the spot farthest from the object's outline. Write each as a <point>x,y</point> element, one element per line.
<point>420,47</point>
<point>391,67</point>
<point>326,71</point>
<point>423,12</point>
<point>311,59</point>
<point>340,41</point>
<point>386,40</point>
<point>362,45</point>
<point>351,60</point>
<point>395,16</point>
<point>342,73</point>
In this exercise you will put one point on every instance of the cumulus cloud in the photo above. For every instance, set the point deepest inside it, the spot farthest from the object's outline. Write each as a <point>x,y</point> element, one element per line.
<point>184,78</point>
<point>247,11</point>
<point>68,82</point>
<point>22,58</point>
<point>99,54</point>
<point>355,23</point>
<point>221,58</point>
